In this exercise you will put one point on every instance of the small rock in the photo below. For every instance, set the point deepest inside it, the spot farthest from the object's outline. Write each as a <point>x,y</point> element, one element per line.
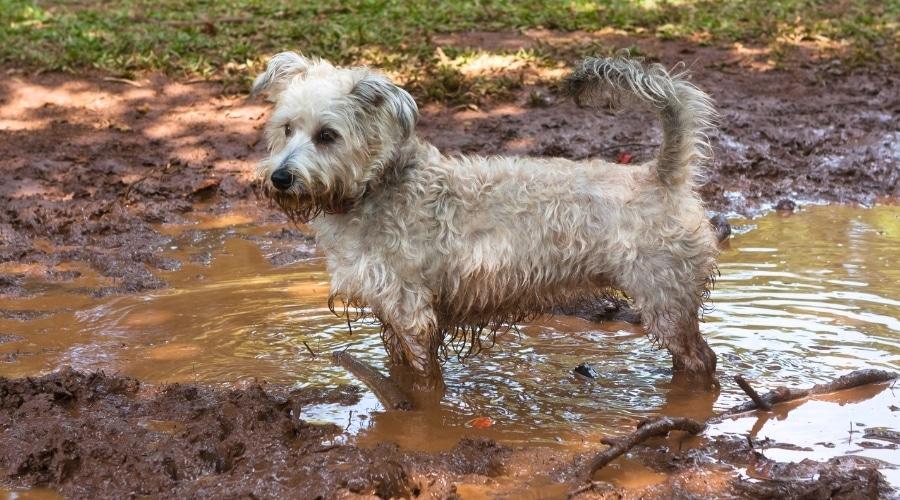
<point>721,226</point>
<point>785,205</point>
<point>585,370</point>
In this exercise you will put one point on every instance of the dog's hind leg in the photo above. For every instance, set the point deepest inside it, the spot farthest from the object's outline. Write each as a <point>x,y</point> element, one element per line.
<point>677,329</point>
<point>669,297</point>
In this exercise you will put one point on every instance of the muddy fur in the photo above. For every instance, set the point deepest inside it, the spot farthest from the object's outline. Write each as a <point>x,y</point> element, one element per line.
<point>442,249</point>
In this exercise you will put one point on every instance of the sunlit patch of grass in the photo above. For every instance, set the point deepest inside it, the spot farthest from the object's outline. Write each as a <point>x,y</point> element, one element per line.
<point>473,75</point>
<point>230,39</point>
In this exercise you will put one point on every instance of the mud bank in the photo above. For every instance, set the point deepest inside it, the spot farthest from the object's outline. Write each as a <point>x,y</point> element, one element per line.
<point>90,435</point>
<point>94,435</point>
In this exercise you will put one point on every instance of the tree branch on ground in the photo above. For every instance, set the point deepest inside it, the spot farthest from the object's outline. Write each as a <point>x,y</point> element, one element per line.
<point>662,426</point>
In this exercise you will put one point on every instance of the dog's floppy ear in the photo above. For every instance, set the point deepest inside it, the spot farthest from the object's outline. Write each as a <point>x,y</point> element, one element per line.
<point>375,92</point>
<point>280,69</point>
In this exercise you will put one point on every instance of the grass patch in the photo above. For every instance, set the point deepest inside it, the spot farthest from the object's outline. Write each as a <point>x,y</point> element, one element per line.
<point>230,39</point>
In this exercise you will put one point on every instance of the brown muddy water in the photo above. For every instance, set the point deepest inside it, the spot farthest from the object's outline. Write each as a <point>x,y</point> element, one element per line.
<point>802,298</point>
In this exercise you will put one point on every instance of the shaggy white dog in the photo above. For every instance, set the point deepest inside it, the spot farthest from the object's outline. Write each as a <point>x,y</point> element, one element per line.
<point>441,248</point>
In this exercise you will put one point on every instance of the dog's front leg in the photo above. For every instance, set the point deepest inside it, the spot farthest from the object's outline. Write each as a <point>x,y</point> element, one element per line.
<point>393,345</point>
<point>411,336</point>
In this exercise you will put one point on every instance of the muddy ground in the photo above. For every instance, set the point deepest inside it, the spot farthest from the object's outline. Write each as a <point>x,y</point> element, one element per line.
<point>91,165</point>
<point>90,435</point>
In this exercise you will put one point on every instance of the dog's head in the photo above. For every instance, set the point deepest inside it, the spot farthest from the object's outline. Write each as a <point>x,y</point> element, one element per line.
<point>333,134</point>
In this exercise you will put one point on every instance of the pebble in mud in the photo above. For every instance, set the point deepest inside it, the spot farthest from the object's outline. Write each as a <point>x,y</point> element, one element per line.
<point>786,205</point>
<point>585,370</point>
<point>720,226</point>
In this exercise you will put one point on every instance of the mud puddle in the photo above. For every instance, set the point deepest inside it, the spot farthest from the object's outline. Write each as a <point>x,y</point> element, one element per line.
<point>29,494</point>
<point>802,298</point>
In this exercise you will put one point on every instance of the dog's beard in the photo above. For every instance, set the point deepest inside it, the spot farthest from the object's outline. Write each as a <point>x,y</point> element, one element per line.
<point>301,208</point>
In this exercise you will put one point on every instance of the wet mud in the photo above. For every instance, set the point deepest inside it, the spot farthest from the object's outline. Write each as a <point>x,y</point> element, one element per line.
<point>796,129</point>
<point>89,435</point>
<point>95,171</point>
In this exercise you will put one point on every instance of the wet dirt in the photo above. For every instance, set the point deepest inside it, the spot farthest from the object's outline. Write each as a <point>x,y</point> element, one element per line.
<point>90,435</point>
<point>130,242</point>
<point>792,126</point>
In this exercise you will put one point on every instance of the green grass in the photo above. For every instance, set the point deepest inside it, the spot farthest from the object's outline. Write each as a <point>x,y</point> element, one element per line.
<point>126,38</point>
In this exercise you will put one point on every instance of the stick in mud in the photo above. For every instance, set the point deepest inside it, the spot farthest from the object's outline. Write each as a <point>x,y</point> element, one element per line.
<point>387,392</point>
<point>645,430</point>
<point>784,394</point>
<point>760,402</point>
<point>664,425</point>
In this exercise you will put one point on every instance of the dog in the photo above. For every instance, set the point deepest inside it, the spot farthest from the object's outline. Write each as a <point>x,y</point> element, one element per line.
<point>441,249</point>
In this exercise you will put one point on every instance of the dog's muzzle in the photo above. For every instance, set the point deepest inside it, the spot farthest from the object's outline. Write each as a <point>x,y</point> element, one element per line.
<point>282,179</point>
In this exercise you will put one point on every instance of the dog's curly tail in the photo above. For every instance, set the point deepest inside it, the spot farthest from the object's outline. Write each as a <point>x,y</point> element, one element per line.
<point>686,112</point>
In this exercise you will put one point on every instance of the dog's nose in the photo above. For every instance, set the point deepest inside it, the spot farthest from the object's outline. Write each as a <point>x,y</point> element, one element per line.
<point>282,178</point>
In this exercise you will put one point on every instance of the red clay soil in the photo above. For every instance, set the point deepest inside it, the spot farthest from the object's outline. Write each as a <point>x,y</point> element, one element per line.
<point>94,435</point>
<point>91,165</point>
<point>91,435</point>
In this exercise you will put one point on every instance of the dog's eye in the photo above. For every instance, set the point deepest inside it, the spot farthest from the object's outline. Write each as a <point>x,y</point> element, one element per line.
<point>326,136</point>
<point>288,130</point>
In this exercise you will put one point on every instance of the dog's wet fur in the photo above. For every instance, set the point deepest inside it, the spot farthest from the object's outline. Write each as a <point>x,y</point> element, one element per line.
<point>441,249</point>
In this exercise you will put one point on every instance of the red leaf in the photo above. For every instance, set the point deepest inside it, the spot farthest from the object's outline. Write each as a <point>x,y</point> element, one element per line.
<point>624,158</point>
<point>480,422</point>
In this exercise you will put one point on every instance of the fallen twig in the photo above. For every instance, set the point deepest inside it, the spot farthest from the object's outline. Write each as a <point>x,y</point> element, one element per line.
<point>387,392</point>
<point>784,394</point>
<point>760,402</point>
<point>590,486</point>
<point>662,426</point>
<point>122,80</point>
<point>645,430</point>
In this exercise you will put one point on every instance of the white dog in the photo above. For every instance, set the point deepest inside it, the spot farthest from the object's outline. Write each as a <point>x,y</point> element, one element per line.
<point>440,248</point>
